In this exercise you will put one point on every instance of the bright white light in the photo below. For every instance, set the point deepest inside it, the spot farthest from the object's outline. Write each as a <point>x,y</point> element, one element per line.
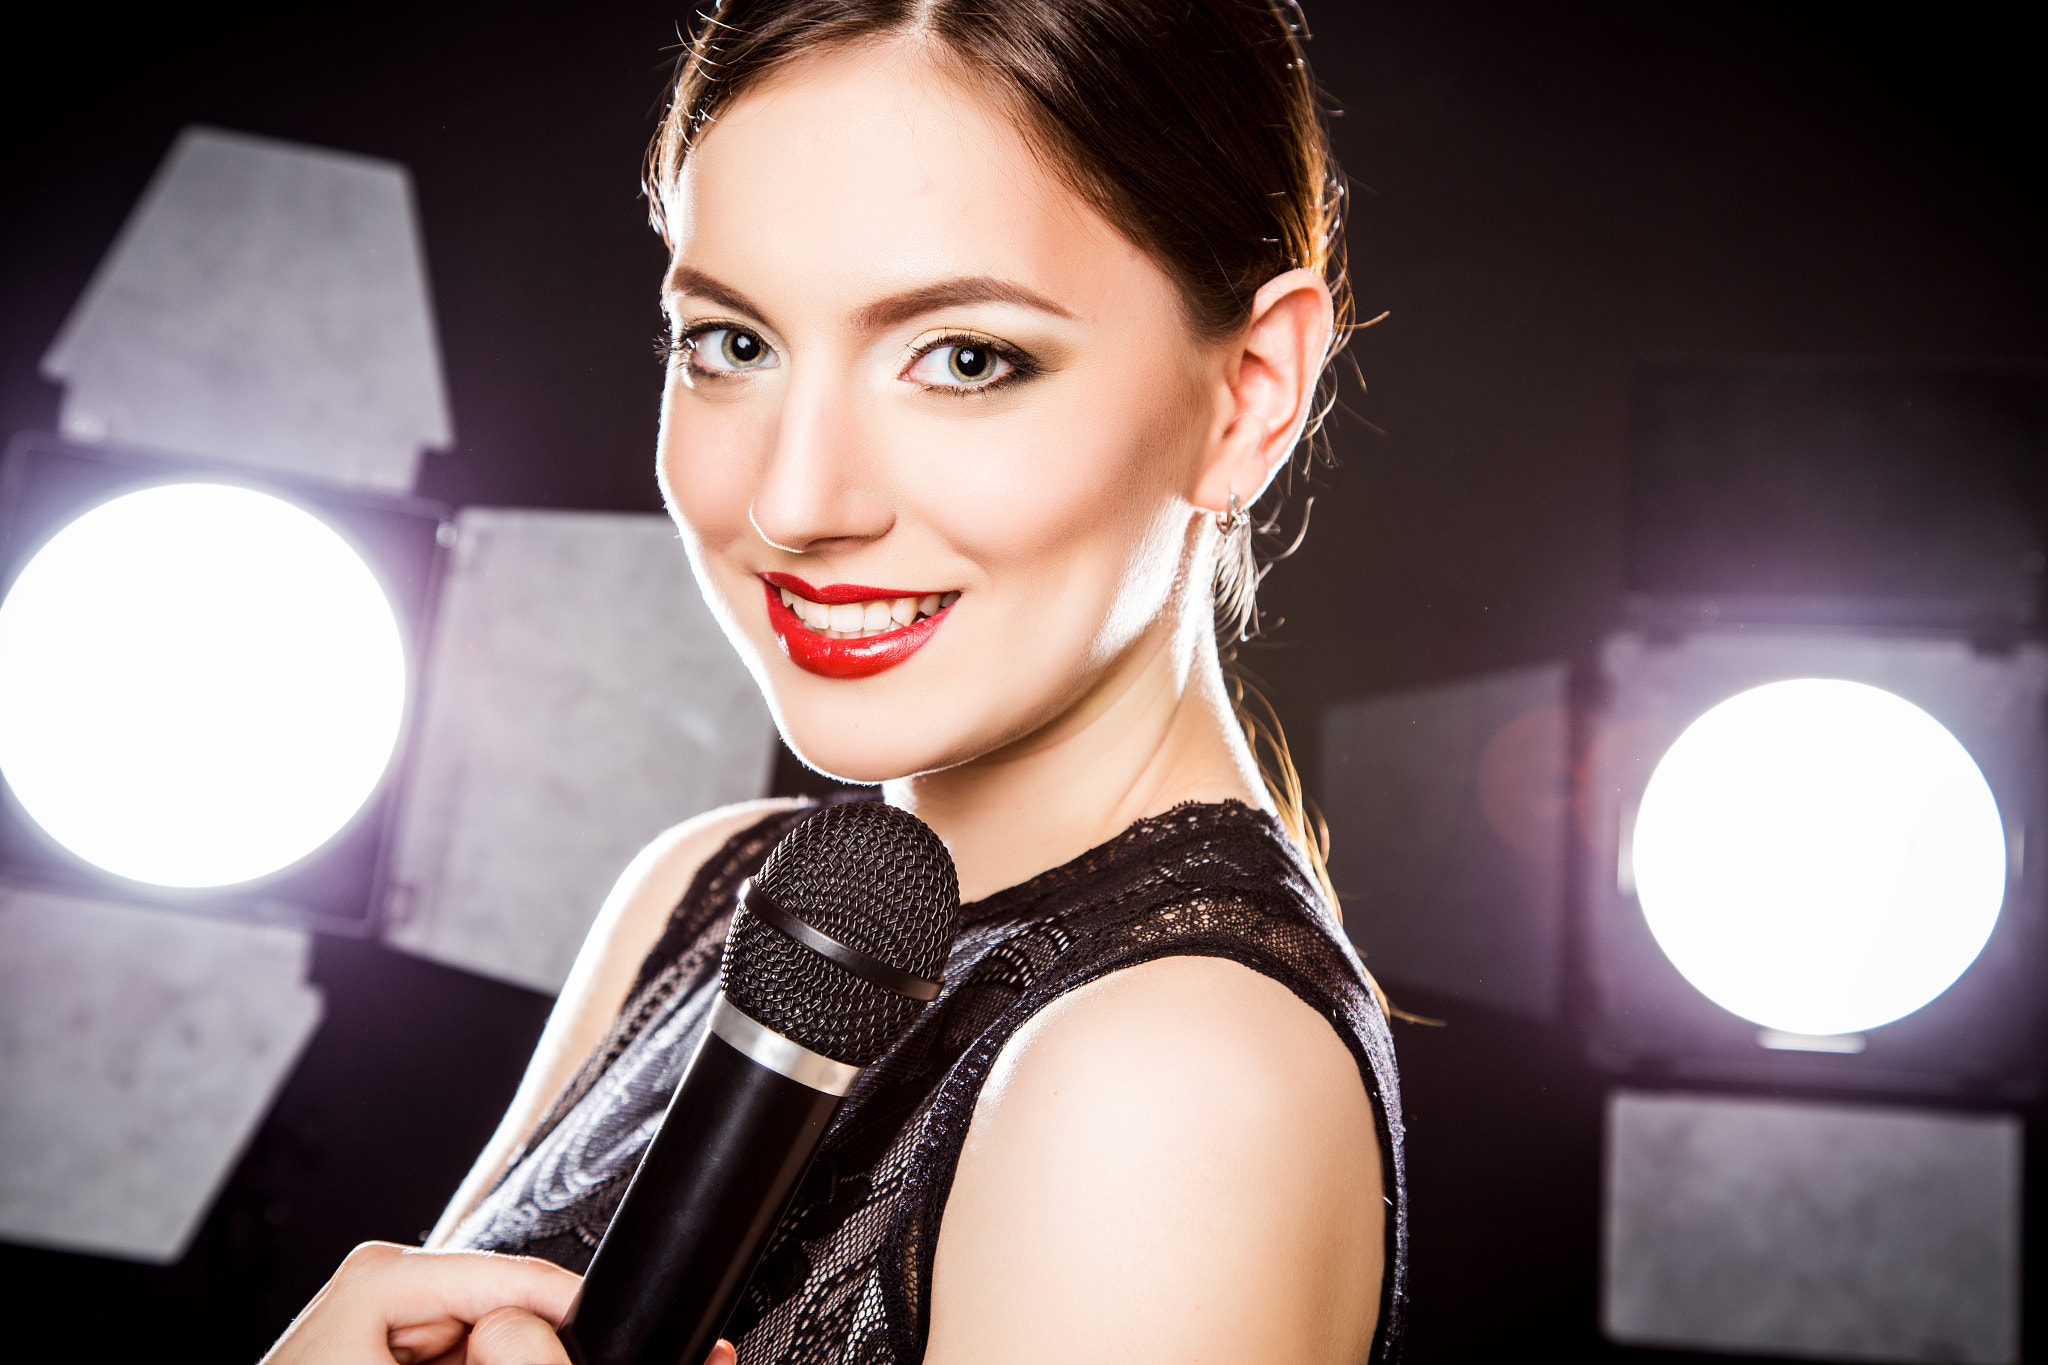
<point>199,684</point>
<point>1820,857</point>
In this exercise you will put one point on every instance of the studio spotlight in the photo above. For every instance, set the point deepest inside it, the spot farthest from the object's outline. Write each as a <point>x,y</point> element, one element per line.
<point>200,684</point>
<point>1804,862</point>
<point>206,681</point>
<point>1778,875</point>
<point>235,679</point>
<point>1810,942</point>
<point>1810,763</point>
<point>1819,856</point>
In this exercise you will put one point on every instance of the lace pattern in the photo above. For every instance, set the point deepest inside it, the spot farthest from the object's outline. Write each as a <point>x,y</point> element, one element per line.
<point>846,1277</point>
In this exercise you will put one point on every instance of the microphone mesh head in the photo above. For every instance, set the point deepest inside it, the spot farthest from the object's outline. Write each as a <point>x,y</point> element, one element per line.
<point>871,876</point>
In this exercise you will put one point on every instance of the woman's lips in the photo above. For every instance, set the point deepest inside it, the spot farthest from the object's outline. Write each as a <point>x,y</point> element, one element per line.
<point>861,657</point>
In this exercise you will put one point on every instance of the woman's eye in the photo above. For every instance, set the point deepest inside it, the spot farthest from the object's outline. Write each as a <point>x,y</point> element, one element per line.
<point>960,365</point>
<point>727,349</point>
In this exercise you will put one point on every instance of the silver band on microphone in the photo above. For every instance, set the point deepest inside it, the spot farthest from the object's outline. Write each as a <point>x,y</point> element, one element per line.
<point>779,1054</point>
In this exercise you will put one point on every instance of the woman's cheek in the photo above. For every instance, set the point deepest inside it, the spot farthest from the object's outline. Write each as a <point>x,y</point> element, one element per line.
<point>706,473</point>
<point>709,506</point>
<point>1016,496</point>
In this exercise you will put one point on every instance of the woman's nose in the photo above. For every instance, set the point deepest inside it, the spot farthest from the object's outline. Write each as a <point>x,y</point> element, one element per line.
<point>821,485</point>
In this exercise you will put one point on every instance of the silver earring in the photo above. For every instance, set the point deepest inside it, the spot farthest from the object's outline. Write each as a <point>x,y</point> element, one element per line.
<point>1235,520</point>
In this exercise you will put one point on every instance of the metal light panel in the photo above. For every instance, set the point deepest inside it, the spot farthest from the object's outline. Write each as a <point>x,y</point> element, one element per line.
<point>1829,1231</point>
<point>1447,808</point>
<point>138,1052</point>
<point>584,699</point>
<point>265,305</point>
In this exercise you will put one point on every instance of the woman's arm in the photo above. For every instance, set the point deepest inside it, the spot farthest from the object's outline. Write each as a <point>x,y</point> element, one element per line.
<point>388,1303</point>
<point>625,931</point>
<point>1174,1163</point>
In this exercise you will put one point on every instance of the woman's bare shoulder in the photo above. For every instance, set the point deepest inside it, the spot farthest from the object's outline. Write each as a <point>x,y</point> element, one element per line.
<point>1183,1156</point>
<point>655,880</point>
<point>683,848</point>
<point>637,910</point>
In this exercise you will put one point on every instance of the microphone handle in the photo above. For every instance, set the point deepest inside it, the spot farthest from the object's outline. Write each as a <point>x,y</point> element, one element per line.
<point>712,1186</point>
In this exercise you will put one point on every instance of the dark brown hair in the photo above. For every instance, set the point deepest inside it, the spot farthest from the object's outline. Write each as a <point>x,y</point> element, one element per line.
<point>1193,126</point>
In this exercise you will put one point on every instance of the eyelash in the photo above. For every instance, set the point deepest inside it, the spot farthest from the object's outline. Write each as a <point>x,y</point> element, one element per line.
<point>1022,366</point>
<point>670,347</point>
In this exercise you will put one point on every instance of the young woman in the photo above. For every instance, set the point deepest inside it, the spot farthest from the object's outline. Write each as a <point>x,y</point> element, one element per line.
<point>988,322</point>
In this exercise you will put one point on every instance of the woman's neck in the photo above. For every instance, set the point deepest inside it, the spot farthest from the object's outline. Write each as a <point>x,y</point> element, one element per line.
<point>1155,731</point>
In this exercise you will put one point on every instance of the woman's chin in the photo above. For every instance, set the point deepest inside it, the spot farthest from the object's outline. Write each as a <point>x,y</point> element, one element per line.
<point>862,763</point>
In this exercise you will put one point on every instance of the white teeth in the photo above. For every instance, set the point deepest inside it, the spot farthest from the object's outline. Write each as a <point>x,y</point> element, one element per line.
<point>863,620</point>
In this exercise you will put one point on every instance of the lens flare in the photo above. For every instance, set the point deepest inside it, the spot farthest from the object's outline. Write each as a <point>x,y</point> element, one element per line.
<point>199,685</point>
<point>1819,856</point>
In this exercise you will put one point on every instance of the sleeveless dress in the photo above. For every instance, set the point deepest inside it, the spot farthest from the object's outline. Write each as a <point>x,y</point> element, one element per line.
<point>846,1277</point>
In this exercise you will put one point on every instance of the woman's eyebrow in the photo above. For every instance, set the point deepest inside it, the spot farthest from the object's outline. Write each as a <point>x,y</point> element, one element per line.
<point>682,279</point>
<point>966,289</point>
<point>887,312</point>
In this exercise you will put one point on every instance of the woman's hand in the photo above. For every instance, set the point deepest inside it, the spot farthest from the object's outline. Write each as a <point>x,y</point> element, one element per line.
<point>401,1304</point>
<point>389,1303</point>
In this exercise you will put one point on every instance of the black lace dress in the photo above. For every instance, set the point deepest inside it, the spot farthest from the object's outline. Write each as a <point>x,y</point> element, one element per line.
<point>846,1278</point>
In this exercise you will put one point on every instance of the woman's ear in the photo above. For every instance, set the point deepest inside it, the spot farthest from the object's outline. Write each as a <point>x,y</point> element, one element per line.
<point>1269,388</point>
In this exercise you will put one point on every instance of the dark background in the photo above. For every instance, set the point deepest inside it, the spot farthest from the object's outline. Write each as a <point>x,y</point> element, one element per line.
<point>1544,196</point>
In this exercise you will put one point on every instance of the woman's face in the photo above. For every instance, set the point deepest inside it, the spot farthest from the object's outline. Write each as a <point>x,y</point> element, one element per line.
<point>918,375</point>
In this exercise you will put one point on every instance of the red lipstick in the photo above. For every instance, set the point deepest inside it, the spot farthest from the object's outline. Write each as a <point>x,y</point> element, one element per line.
<point>830,658</point>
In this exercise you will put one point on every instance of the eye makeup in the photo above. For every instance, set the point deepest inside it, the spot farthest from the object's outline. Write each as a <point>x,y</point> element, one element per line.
<point>969,364</point>
<point>716,349</point>
<point>964,364</point>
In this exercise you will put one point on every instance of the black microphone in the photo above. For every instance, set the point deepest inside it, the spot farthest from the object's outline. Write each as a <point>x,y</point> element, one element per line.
<point>836,946</point>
